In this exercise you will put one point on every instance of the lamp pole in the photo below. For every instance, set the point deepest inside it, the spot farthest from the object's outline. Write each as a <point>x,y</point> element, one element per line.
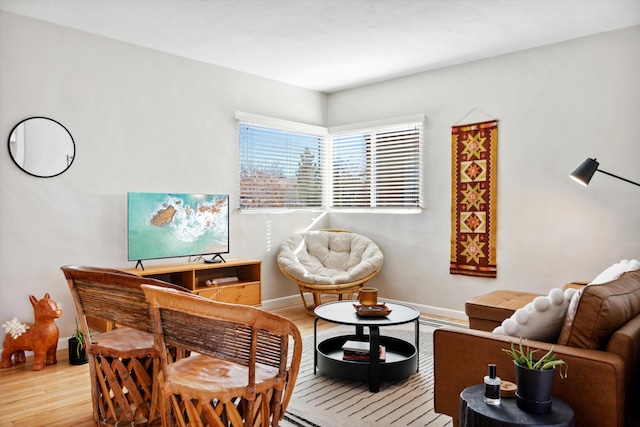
<point>619,177</point>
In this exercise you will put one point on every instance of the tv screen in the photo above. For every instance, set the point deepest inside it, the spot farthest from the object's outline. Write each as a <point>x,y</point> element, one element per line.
<point>167,225</point>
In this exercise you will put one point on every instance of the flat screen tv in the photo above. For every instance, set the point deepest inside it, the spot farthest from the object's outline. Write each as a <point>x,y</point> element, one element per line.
<point>168,225</point>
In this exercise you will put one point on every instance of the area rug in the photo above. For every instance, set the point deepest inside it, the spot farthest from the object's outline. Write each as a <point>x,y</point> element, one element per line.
<point>474,150</point>
<point>322,401</point>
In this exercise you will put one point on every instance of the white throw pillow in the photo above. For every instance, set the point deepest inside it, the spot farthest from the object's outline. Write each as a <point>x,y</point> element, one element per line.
<point>541,319</point>
<point>616,270</point>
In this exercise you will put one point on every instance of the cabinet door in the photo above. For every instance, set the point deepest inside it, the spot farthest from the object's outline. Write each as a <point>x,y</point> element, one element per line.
<point>247,294</point>
<point>209,293</point>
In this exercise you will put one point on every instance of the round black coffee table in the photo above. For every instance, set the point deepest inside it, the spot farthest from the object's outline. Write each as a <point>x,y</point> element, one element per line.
<point>475,412</point>
<point>401,356</point>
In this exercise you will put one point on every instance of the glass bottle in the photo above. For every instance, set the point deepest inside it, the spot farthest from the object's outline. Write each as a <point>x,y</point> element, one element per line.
<point>492,387</point>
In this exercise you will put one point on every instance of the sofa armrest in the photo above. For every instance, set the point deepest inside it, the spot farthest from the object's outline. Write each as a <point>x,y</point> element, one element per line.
<point>576,285</point>
<point>594,387</point>
<point>626,343</point>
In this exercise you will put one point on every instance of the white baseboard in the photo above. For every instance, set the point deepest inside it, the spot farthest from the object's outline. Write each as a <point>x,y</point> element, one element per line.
<point>272,304</point>
<point>426,309</point>
<point>436,311</point>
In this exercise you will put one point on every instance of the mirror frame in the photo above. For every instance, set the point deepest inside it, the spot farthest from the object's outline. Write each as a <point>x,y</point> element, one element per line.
<point>69,163</point>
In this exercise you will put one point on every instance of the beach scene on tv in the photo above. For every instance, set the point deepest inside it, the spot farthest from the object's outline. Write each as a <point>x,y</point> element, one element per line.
<point>163,225</point>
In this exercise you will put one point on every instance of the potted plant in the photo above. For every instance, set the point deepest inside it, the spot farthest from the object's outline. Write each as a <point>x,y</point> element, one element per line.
<point>534,377</point>
<point>77,347</point>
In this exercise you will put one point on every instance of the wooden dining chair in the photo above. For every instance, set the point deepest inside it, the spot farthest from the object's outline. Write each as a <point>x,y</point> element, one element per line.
<point>123,363</point>
<point>243,364</point>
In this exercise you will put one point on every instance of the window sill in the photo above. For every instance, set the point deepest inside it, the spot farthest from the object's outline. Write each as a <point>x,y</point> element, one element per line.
<point>395,211</point>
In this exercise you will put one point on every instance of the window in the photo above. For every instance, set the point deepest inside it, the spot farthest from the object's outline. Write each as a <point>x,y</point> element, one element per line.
<point>287,165</point>
<point>378,168</point>
<point>280,168</point>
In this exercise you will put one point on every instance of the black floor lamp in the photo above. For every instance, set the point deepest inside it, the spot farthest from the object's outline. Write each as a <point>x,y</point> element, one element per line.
<point>585,171</point>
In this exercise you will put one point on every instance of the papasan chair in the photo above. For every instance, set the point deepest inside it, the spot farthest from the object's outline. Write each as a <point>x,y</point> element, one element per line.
<point>329,262</point>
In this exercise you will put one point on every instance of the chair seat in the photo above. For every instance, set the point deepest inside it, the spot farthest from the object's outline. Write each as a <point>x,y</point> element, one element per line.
<point>124,342</point>
<point>200,376</point>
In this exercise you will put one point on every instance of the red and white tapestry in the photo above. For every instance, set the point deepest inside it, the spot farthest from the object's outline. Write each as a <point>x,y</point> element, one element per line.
<point>474,151</point>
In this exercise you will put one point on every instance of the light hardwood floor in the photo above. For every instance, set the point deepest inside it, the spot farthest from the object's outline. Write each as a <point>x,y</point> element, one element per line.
<point>60,395</point>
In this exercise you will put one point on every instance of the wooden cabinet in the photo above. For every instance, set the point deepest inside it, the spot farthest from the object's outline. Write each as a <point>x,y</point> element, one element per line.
<point>236,281</point>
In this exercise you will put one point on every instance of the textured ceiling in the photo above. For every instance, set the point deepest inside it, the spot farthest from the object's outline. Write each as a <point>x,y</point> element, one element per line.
<point>330,45</point>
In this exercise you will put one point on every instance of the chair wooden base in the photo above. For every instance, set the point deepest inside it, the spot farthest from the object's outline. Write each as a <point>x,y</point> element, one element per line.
<point>344,292</point>
<point>237,412</point>
<point>124,370</point>
<point>125,394</point>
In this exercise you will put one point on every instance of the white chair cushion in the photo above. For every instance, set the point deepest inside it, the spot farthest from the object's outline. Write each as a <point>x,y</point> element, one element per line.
<point>328,257</point>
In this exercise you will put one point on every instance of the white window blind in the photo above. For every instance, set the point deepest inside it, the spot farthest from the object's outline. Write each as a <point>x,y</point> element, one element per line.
<point>378,168</point>
<point>279,168</point>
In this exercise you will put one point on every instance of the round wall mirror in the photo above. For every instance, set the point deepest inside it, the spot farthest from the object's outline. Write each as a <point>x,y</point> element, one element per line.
<point>41,147</point>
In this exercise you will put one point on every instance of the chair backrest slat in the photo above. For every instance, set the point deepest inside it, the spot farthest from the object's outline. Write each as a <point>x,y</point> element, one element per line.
<point>217,338</point>
<point>270,348</point>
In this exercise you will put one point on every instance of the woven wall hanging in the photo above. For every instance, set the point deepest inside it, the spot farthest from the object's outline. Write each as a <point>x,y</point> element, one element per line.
<point>474,149</point>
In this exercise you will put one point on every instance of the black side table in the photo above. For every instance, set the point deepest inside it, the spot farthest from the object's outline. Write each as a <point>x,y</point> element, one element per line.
<point>475,413</point>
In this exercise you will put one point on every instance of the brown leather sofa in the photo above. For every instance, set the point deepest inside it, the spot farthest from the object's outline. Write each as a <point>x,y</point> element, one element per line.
<point>600,341</point>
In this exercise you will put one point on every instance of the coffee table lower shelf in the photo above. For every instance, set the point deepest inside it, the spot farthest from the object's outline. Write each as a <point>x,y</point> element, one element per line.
<point>401,359</point>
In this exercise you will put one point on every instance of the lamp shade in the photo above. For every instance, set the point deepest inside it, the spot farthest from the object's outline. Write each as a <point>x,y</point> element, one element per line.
<point>585,171</point>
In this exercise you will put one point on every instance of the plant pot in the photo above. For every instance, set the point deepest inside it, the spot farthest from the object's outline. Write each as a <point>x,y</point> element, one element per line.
<point>77,357</point>
<point>534,389</point>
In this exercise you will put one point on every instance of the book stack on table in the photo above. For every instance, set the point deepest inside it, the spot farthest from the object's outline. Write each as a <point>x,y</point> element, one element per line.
<point>359,350</point>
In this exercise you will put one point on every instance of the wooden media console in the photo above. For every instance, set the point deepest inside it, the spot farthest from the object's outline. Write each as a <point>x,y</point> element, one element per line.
<point>237,281</point>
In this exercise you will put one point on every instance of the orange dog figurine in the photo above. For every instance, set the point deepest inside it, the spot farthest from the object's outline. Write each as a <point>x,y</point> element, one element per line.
<point>40,337</point>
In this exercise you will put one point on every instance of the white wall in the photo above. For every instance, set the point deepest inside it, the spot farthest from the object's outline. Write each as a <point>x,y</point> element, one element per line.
<point>147,121</point>
<point>142,121</point>
<point>557,105</point>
